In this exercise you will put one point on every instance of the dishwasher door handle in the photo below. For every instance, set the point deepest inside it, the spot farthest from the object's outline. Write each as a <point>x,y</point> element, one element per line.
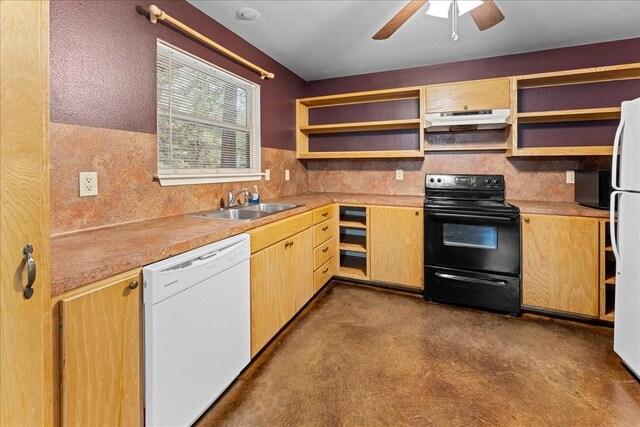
<point>471,279</point>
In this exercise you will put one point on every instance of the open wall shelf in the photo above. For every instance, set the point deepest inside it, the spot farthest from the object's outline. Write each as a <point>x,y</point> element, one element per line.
<point>304,128</point>
<point>593,115</point>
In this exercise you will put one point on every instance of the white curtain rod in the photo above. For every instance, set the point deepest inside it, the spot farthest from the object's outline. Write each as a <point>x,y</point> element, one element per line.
<point>155,13</point>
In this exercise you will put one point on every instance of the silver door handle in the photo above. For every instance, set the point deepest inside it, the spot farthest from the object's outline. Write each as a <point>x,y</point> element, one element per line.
<point>31,270</point>
<point>471,279</point>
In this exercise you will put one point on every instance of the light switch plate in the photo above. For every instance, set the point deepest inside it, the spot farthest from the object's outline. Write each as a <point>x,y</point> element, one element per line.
<point>286,174</point>
<point>399,174</point>
<point>571,177</point>
<point>267,174</point>
<point>88,182</point>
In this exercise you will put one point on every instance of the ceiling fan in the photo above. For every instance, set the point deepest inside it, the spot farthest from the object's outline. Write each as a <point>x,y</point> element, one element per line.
<point>485,14</point>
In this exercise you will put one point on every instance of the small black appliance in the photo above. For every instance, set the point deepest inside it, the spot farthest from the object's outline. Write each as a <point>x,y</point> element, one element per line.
<point>593,188</point>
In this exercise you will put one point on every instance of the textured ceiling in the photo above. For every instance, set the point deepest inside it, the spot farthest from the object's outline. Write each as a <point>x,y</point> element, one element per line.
<point>319,39</point>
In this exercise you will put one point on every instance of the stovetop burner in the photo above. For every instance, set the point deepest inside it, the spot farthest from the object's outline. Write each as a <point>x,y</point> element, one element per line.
<point>480,193</point>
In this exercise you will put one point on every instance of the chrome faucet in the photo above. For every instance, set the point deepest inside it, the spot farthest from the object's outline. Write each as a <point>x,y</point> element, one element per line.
<point>231,198</point>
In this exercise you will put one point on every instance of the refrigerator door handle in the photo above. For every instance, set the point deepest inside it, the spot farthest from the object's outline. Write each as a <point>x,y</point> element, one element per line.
<point>612,225</point>
<point>615,159</point>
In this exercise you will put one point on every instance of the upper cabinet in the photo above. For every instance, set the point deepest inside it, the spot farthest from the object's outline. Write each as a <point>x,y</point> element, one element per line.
<point>492,94</point>
<point>375,124</point>
<point>570,113</point>
<point>563,113</point>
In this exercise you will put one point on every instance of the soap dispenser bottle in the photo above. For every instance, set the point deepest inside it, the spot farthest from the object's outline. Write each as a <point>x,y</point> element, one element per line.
<point>255,196</point>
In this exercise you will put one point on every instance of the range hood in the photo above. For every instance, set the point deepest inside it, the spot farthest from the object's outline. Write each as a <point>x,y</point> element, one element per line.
<point>468,120</point>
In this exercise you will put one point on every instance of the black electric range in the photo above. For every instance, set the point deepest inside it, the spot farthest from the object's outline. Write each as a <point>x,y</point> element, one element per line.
<point>471,243</point>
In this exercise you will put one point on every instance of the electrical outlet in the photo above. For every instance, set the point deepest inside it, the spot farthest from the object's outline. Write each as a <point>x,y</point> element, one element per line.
<point>571,177</point>
<point>399,174</point>
<point>286,175</point>
<point>267,174</point>
<point>88,183</point>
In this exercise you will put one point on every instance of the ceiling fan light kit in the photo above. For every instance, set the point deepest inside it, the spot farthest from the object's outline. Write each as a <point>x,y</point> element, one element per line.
<point>485,13</point>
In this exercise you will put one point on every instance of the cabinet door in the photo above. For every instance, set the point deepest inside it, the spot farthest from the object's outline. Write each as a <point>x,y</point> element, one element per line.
<point>469,96</point>
<point>397,242</point>
<point>268,308</point>
<point>299,269</point>
<point>560,263</point>
<point>25,216</point>
<point>281,283</point>
<point>101,363</point>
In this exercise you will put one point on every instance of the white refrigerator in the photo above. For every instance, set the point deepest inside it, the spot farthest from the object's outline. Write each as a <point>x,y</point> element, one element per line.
<point>625,234</point>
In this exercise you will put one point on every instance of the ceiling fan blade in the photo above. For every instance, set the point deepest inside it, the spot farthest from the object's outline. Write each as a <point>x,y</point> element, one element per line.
<point>400,18</point>
<point>486,15</point>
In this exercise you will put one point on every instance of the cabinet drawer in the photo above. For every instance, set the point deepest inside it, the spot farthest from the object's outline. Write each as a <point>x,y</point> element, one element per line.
<point>323,232</point>
<point>322,214</point>
<point>470,96</point>
<point>269,234</point>
<point>323,274</point>
<point>322,253</point>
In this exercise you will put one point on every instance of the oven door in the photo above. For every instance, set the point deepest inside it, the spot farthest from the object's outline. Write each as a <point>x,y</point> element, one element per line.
<point>477,241</point>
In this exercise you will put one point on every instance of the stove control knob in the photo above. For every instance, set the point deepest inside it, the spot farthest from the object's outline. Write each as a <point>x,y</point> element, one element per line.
<point>439,180</point>
<point>431,180</point>
<point>496,181</point>
<point>488,180</point>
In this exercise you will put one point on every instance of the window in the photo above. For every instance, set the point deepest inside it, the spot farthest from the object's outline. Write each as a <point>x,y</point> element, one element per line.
<point>208,122</point>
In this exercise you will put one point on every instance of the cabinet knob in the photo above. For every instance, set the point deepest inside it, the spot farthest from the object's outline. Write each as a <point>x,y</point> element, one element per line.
<point>526,220</point>
<point>417,213</point>
<point>325,214</point>
<point>325,270</point>
<point>325,249</point>
<point>325,228</point>
<point>286,245</point>
<point>291,243</point>
<point>133,284</point>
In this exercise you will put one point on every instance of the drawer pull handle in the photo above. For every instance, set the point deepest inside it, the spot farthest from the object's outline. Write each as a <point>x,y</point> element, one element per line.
<point>526,220</point>
<point>325,228</point>
<point>27,250</point>
<point>325,249</point>
<point>325,270</point>
<point>133,284</point>
<point>325,214</point>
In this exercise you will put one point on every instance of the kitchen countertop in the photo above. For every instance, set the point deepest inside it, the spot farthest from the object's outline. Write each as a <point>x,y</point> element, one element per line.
<point>86,257</point>
<point>558,208</point>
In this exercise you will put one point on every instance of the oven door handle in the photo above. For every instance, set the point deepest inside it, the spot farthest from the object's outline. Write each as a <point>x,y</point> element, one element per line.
<point>471,279</point>
<point>478,217</point>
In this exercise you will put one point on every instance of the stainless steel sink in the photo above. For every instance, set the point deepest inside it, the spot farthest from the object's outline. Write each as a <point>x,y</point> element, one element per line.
<point>246,213</point>
<point>269,207</point>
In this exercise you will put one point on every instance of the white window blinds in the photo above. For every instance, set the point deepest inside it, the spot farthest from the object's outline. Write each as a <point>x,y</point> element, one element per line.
<point>208,122</point>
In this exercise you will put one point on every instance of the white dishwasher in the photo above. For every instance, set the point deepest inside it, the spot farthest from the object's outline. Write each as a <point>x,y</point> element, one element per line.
<point>196,329</point>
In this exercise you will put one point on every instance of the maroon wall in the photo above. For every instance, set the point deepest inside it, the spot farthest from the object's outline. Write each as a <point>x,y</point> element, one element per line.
<point>594,55</point>
<point>103,66</point>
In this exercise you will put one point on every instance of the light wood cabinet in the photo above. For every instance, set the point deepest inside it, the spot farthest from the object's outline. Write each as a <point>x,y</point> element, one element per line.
<point>397,245</point>
<point>281,283</point>
<point>488,94</point>
<point>100,343</point>
<point>25,342</point>
<point>560,263</point>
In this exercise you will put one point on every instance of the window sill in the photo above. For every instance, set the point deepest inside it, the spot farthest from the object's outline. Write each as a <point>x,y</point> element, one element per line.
<point>195,179</point>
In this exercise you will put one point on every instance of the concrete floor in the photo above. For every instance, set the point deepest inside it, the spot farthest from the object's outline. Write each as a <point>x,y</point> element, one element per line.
<point>360,356</point>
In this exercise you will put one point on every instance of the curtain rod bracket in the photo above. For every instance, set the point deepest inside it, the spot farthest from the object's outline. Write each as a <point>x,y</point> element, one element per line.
<point>155,13</point>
